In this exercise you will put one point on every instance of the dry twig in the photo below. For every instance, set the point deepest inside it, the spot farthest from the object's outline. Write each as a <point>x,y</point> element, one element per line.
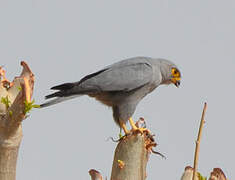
<point>196,155</point>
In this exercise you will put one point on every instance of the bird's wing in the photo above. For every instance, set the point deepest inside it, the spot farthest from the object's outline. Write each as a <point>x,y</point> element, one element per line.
<point>122,77</point>
<point>119,78</point>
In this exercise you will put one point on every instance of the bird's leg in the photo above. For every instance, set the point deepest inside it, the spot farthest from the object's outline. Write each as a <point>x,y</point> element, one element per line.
<point>123,126</point>
<point>135,128</point>
<point>132,123</point>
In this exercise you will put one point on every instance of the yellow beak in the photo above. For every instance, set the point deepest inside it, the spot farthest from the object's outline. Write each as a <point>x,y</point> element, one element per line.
<point>176,81</point>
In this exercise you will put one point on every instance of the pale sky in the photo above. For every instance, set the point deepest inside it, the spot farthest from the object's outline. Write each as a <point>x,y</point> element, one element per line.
<point>62,41</point>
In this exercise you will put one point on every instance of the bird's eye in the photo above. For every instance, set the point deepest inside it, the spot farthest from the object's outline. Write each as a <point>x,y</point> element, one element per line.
<point>175,72</point>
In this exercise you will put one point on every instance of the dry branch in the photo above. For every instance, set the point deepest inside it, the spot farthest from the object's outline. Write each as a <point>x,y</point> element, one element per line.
<point>131,157</point>
<point>14,98</point>
<point>196,155</point>
<point>191,173</point>
<point>188,174</point>
<point>95,175</point>
<point>217,174</point>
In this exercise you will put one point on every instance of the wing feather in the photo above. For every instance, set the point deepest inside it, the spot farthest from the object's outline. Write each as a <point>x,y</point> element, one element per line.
<point>120,78</point>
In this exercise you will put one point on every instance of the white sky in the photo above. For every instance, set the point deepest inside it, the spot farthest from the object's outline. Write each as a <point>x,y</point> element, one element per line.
<point>64,40</point>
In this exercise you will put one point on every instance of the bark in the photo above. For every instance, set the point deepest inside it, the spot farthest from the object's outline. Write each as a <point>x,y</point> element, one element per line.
<point>95,175</point>
<point>12,112</point>
<point>131,157</point>
<point>188,174</point>
<point>217,174</point>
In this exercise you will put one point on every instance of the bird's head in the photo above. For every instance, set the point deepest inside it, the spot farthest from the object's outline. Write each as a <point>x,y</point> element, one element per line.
<point>170,73</point>
<point>175,76</point>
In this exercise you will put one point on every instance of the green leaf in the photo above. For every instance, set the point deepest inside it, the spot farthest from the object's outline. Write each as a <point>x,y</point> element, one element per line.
<point>201,177</point>
<point>6,101</point>
<point>19,88</point>
<point>10,113</point>
<point>29,106</point>
<point>120,135</point>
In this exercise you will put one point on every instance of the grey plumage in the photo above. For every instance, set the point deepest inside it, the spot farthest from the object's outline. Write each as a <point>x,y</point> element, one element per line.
<point>121,85</point>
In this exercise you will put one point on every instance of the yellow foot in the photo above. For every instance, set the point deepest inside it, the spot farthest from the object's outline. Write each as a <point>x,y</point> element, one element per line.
<point>123,126</point>
<point>134,129</point>
<point>137,129</point>
<point>140,130</point>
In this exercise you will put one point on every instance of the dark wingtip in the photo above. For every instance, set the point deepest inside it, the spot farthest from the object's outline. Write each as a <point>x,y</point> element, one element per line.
<point>64,86</point>
<point>56,94</point>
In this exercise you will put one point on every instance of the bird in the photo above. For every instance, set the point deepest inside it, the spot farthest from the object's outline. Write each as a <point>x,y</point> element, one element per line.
<point>120,86</point>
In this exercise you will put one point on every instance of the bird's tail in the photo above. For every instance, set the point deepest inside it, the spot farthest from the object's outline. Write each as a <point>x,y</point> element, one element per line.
<point>65,93</point>
<point>58,100</point>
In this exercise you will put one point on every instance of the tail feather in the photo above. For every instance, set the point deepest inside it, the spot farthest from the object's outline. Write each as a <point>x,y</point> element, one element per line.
<point>56,94</point>
<point>57,100</point>
<point>65,92</point>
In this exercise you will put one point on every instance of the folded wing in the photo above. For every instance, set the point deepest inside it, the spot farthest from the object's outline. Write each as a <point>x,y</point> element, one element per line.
<point>119,78</point>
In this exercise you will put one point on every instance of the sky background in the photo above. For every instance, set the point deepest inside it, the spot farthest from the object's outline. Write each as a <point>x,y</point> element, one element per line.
<point>62,41</point>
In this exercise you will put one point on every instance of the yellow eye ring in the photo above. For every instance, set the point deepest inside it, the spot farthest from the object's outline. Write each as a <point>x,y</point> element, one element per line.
<point>175,73</point>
